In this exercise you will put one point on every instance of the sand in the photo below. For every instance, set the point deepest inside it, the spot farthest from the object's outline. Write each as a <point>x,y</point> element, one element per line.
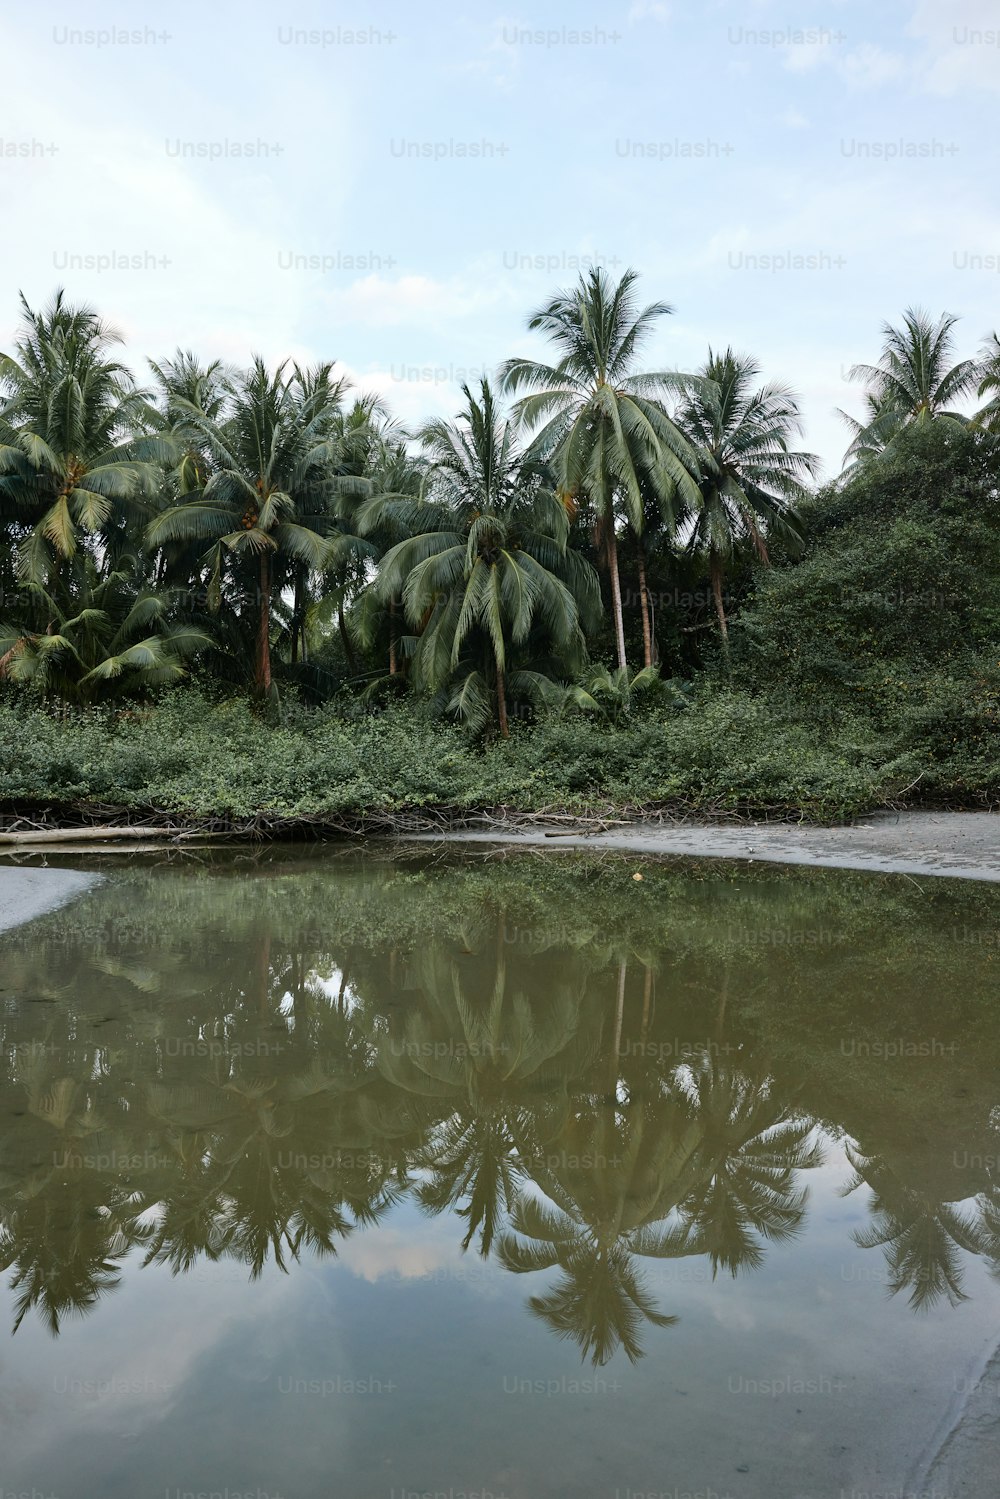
<point>27,893</point>
<point>962,845</point>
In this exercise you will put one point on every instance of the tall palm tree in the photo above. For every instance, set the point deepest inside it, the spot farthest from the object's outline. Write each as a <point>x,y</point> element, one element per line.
<point>989,384</point>
<point>612,1196</point>
<point>752,1149</point>
<point>486,565</point>
<point>78,457</point>
<point>920,1236</point>
<point>182,383</point>
<point>378,461</point>
<point>915,380</point>
<point>269,448</point>
<point>601,422</point>
<point>750,476</point>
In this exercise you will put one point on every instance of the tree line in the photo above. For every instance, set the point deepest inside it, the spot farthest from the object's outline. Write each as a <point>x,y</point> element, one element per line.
<point>271,525</point>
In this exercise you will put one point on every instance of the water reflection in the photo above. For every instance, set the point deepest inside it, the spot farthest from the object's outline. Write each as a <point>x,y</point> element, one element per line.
<point>255,1062</point>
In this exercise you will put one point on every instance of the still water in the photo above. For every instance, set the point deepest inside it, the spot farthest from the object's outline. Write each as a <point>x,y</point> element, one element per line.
<point>387,1175</point>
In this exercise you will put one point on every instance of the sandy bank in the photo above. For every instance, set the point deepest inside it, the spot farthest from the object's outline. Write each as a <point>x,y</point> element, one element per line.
<point>963,845</point>
<point>27,893</point>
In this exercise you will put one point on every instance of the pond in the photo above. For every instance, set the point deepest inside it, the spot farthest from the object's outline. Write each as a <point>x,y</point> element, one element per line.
<point>399,1173</point>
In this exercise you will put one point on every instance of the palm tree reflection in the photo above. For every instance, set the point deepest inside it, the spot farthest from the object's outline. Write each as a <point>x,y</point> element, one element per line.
<point>270,1105</point>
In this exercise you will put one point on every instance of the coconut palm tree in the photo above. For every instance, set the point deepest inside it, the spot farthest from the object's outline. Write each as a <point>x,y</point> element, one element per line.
<point>377,457</point>
<point>600,422</point>
<point>183,382</point>
<point>618,1180</point>
<point>750,476</point>
<point>270,451</point>
<point>495,1067</point>
<point>615,694</point>
<point>486,564</point>
<point>989,384</point>
<point>920,1235</point>
<point>915,380</point>
<point>752,1149</point>
<point>112,637</point>
<point>78,457</point>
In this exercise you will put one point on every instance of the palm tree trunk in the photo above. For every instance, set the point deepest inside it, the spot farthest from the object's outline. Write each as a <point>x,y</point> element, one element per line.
<point>264,631</point>
<point>720,1015</point>
<point>352,660</point>
<point>502,703</point>
<point>263,973</point>
<point>720,609</point>
<point>619,1018</point>
<point>647,1000</point>
<point>393,663</point>
<point>647,634</point>
<point>297,613</point>
<point>611,545</point>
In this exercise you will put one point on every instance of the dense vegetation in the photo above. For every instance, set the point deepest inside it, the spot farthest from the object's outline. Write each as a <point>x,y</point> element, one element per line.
<point>364,620</point>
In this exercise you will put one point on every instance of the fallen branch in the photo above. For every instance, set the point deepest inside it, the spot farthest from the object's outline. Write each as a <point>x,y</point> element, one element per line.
<point>99,835</point>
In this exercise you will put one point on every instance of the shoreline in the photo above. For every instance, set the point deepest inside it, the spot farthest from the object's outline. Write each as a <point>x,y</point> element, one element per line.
<point>953,845</point>
<point>27,893</point>
<point>912,842</point>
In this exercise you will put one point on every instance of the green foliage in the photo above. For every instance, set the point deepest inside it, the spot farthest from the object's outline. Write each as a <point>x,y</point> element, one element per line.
<point>615,694</point>
<point>243,517</point>
<point>751,480</point>
<point>484,570</point>
<point>112,638</point>
<point>77,463</point>
<point>199,758</point>
<point>915,382</point>
<point>891,623</point>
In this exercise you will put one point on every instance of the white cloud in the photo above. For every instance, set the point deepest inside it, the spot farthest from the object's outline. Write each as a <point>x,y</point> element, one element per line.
<point>960,50</point>
<point>501,59</point>
<point>415,393</point>
<point>648,10</point>
<point>864,67</point>
<point>961,44</point>
<point>390,1253</point>
<point>413,301</point>
<point>869,66</point>
<point>794,119</point>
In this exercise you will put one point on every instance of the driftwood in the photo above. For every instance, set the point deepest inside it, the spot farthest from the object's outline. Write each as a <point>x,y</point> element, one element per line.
<point>106,850</point>
<point>99,835</point>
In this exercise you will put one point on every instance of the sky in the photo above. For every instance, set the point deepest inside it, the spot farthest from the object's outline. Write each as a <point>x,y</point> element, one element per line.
<point>396,187</point>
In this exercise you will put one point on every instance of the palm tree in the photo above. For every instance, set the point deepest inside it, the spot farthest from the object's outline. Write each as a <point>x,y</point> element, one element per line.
<point>612,1196</point>
<point>184,382</point>
<point>376,456</point>
<point>752,1148</point>
<point>915,381</point>
<point>486,564</point>
<point>919,1234</point>
<point>615,694</point>
<point>112,637</point>
<point>270,449</point>
<point>77,456</point>
<point>601,423</point>
<point>989,384</point>
<point>495,1066</point>
<point>750,477</point>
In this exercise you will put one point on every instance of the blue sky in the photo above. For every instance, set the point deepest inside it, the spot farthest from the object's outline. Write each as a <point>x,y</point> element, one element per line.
<point>419,178</point>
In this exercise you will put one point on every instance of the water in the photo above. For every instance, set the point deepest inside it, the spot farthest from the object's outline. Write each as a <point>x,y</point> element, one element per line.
<point>326,1174</point>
